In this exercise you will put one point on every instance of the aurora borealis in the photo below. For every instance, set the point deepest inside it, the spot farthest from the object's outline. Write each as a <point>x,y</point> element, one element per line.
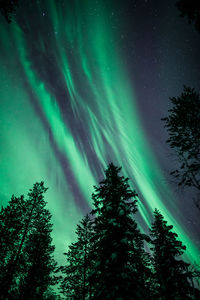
<point>84,83</point>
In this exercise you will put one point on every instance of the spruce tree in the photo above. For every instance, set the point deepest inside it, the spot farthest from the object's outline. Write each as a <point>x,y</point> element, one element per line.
<point>171,272</point>
<point>27,253</point>
<point>11,231</point>
<point>38,249</point>
<point>120,259</point>
<point>75,283</point>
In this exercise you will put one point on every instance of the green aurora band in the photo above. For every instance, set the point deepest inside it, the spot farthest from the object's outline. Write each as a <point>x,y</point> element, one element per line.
<point>93,121</point>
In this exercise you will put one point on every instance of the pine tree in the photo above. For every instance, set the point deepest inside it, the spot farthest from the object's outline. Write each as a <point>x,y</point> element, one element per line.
<point>120,259</point>
<point>38,249</point>
<point>26,254</point>
<point>75,284</point>
<point>11,228</point>
<point>171,272</point>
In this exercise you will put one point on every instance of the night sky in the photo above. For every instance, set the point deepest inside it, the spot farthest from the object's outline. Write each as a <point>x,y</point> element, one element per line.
<point>84,83</point>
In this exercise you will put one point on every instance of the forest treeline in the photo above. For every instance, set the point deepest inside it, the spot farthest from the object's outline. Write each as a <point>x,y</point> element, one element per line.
<point>111,258</point>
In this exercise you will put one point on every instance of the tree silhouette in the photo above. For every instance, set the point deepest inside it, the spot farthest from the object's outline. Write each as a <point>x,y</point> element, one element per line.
<point>75,283</point>
<point>119,270</point>
<point>8,8</point>
<point>184,136</point>
<point>28,261</point>
<point>174,280</point>
<point>11,228</point>
<point>38,250</point>
<point>191,10</point>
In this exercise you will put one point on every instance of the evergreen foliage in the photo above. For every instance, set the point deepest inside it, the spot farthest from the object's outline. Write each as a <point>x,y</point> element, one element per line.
<point>174,280</point>
<point>107,261</point>
<point>76,284</point>
<point>11,228</point>
<point>120,261</point>
<point>27,261</point>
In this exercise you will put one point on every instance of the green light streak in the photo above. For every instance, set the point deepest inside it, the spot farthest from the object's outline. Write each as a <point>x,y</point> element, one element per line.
<point>87,55</point>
